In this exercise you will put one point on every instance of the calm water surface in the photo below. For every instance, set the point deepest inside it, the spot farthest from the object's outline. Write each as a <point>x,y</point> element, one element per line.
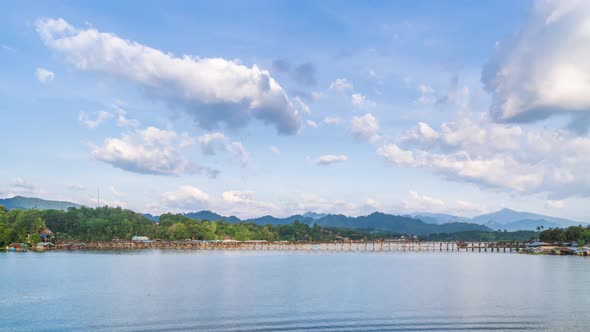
<point>279,291</point>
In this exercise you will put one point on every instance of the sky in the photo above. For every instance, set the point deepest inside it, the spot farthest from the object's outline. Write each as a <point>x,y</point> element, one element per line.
<point>283,107</point>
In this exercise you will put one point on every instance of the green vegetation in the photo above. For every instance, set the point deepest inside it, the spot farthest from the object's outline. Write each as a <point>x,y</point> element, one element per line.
<point>499,236</point>
<point>574,233</point>
<point>105,224</point>
<point>15,225</point>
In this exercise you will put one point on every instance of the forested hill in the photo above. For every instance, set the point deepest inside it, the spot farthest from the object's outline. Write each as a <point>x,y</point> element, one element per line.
<point>106,224</point>
<point>377,221</point>
<point>396,224</point>
<point>26,203</point>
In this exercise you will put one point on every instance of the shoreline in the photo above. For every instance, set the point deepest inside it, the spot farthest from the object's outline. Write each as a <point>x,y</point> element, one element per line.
<point>336,246</point>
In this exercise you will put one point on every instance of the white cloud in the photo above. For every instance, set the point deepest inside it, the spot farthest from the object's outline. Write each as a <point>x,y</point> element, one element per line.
<point>185,198</point>
<point>312,124</point>
<point>543,70</point>
<point>427,96</point>
<point>312,202</point>
<point>245,204</point>
<point>555,204</point>
<point>214,91</point>
<point>19,186</point>
<point>501,156</point>
<point>332,120</point>
<point>188,198</point>
<point>275,150</point>
<point>148,151</point>
<point>329,159</point>
<point>365,128</point>
<point>361,101</point>
<point>116,192</point>
<point>341,85</point>
<point>75,187</point>
<point>122,119</point>
<point>99,118</point>
<point>213,142</point>
<point>44,75</point>
<point>416,202</point>
<point>301,105</point>
<point>358,99</point>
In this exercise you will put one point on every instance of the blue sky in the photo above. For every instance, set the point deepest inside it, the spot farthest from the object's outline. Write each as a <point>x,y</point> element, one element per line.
<point>285,107</point>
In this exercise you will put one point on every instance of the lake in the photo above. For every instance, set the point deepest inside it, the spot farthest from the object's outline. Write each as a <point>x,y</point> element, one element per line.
<point>158,290</point>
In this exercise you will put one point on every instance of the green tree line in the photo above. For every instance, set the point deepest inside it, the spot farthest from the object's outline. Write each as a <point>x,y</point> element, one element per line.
<point>107,223</point>
<point>571,234</point>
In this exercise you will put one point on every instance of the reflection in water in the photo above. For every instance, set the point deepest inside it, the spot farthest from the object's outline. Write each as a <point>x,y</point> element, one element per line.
<point>288,291</point>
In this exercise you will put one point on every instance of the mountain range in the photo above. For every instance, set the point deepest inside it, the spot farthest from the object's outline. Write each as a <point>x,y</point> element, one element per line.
<point>27,203</point>
<point>377,221</point>
<point>420,223</point>
<point>507,219</point>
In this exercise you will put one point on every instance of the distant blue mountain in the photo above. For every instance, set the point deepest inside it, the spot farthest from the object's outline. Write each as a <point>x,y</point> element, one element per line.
<point>152,217</point>
<point>419,223</point>
<point>270,220</point>
<point>505,219</point>
<point>212,216</point>
<point>396,224</point>
<point>439,218</point>
<point>27,203</point>
<point>377,221</point>
<point>507,216</point>
<point>313,215</point>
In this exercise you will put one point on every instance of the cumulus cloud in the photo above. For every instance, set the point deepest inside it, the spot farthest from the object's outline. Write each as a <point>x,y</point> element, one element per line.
<point>543,70</point>
<point>44,75</point>
<point>361,101</point>
<point>214,91</point>
<point>358,99</point>
<point>122,119</point>
<point>185,198</point>
<point>217,142</point>
<point>312,202</point>
<point>365,128</point>
<point>329,159</point>
<point>416,202</point>
<point>94,120</point>
<point>341,85</point>
<point>480,151</point>
<point>148,151</point>
<point>312,123</point>
<point>245,204</point>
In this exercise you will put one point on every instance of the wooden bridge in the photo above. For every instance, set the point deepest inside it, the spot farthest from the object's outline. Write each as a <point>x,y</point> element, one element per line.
<point>348,246</point>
